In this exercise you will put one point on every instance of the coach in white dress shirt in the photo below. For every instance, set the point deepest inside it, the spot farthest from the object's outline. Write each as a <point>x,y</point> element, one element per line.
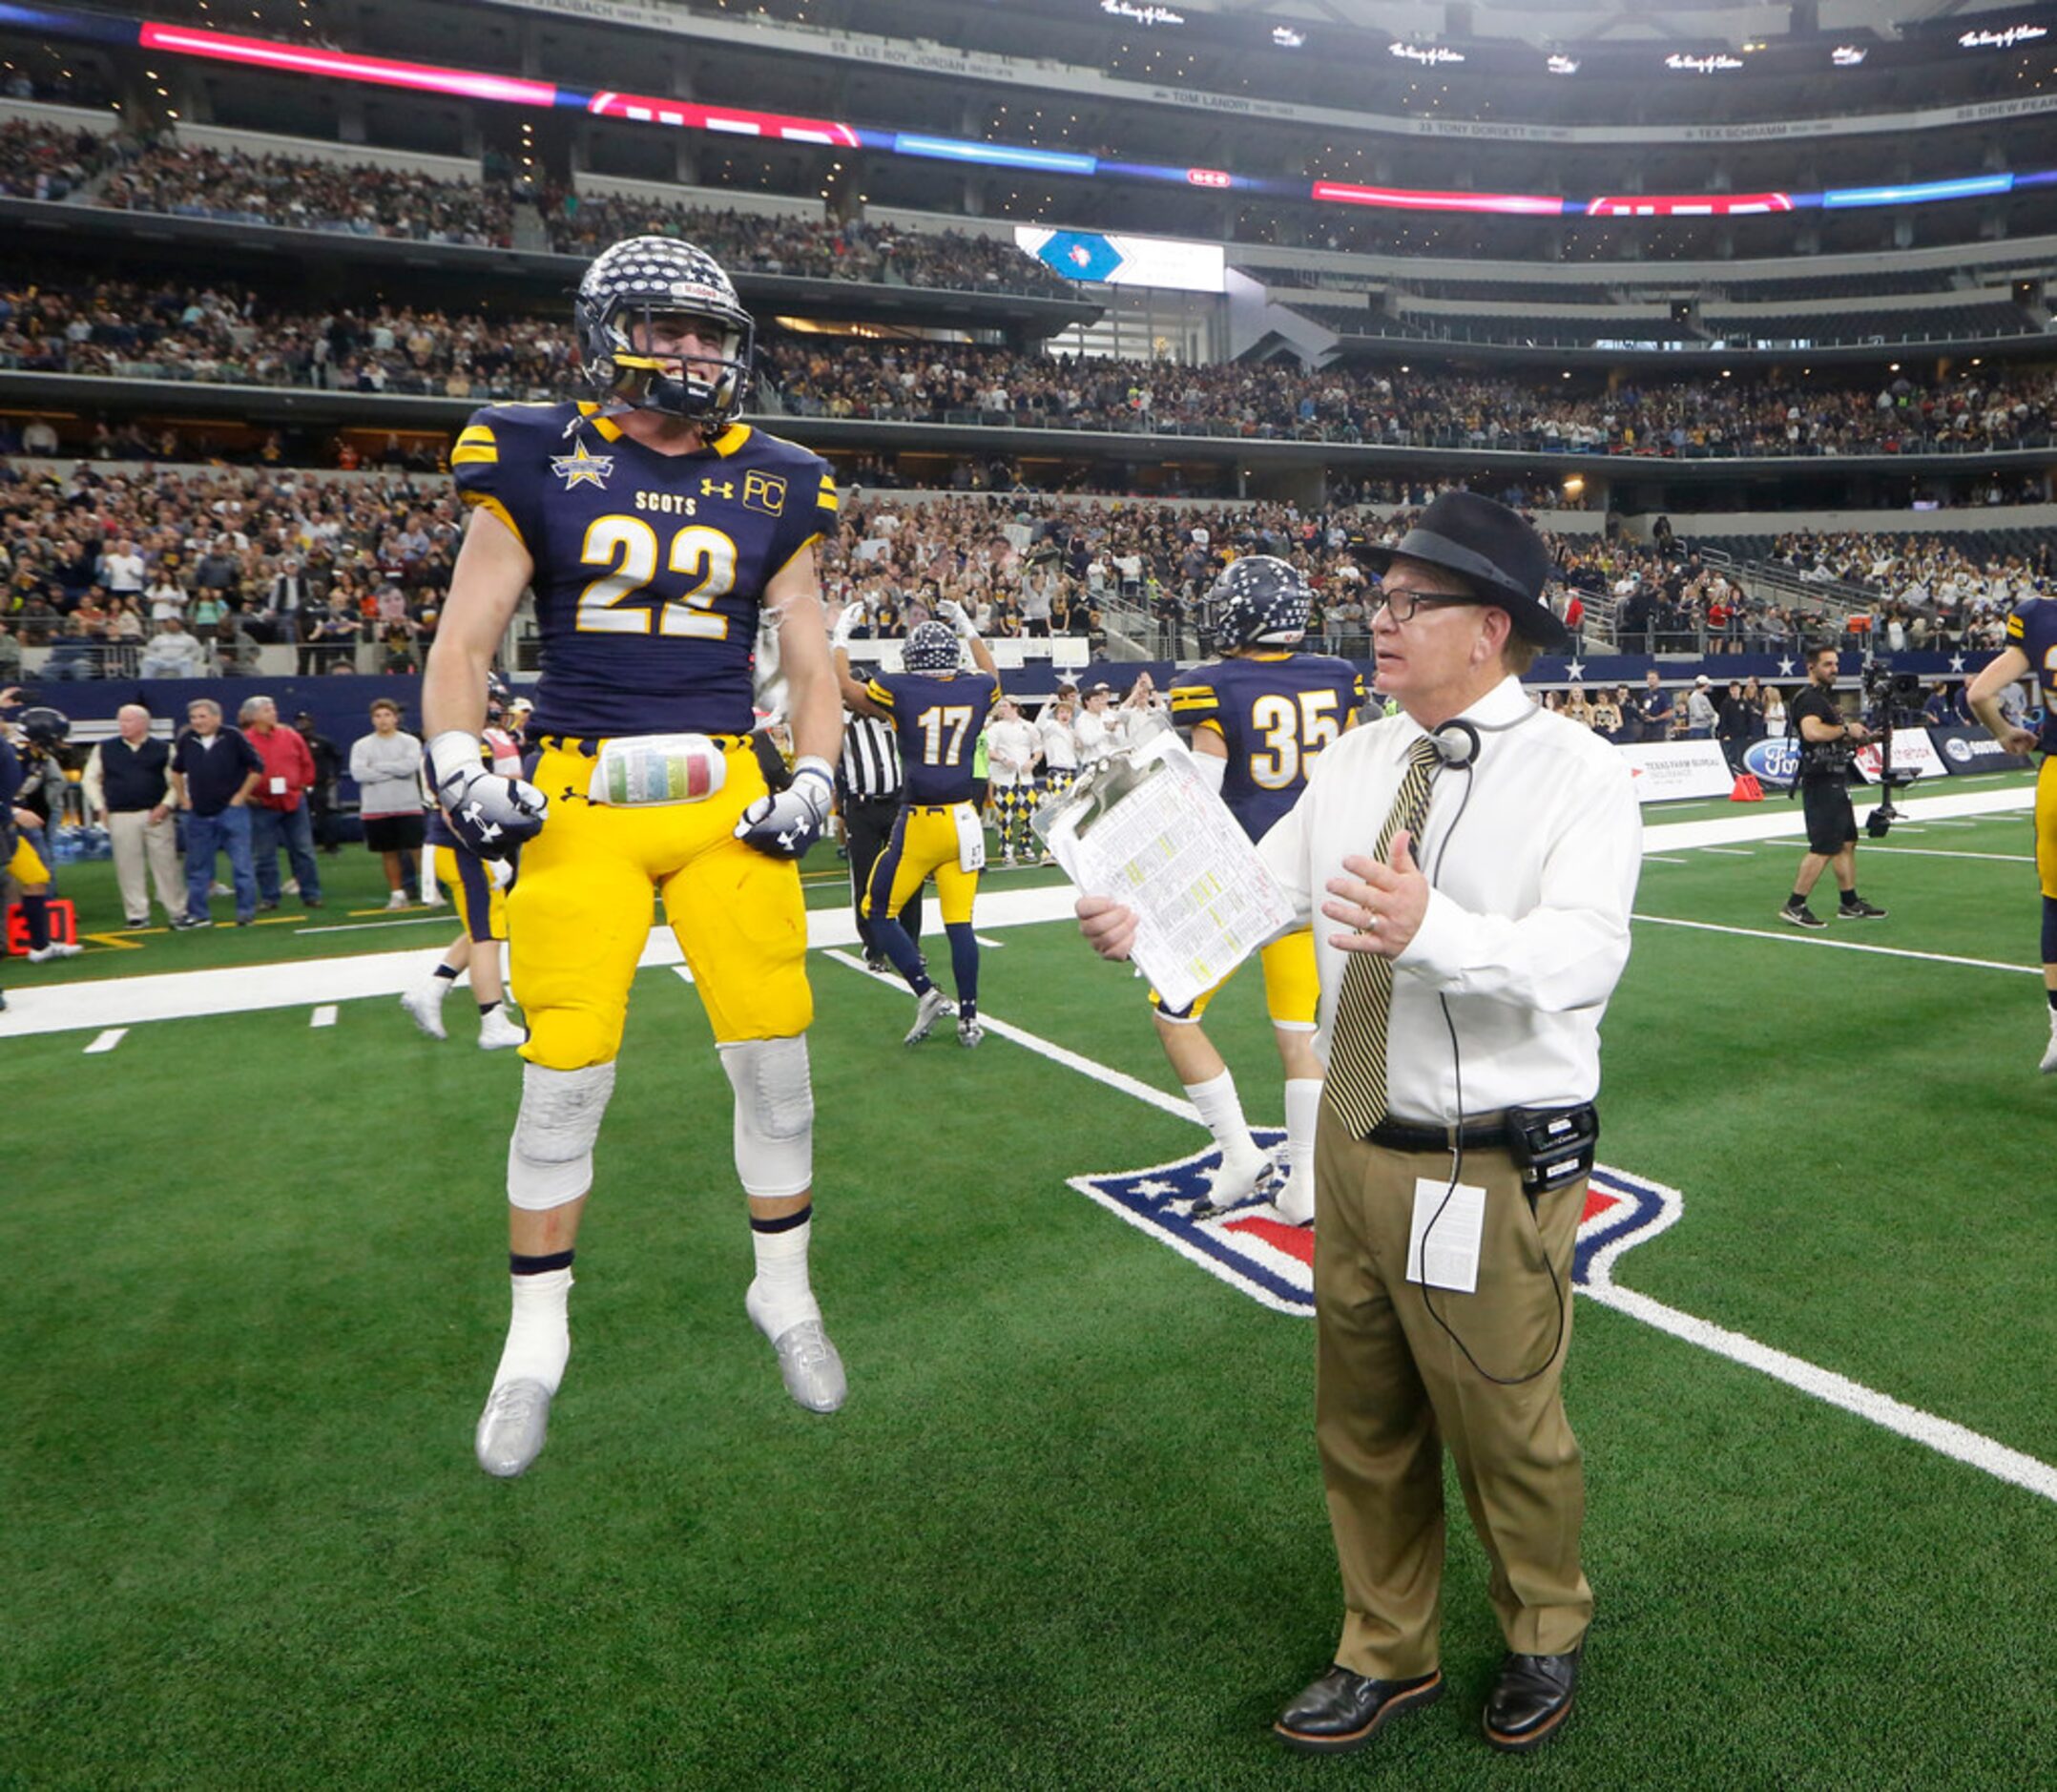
<point>1475,857</point>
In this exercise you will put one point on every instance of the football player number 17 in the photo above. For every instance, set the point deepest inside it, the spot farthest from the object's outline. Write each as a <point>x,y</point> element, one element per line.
<point>957,718</point>
<point>1294,736</point>
<point>705,556</point>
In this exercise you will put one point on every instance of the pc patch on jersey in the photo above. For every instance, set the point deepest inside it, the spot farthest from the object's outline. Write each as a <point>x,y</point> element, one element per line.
<point>1252,1248</point>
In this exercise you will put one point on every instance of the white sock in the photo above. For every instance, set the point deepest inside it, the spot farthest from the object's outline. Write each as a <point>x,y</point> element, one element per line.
<point>539,1330</point>
<point>1303,1109</point>
<point>1221,1109</point>
<point>784,1293</point>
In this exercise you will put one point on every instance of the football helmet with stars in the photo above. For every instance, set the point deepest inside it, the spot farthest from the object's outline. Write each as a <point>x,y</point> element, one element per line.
<point>931,648</point>
<point>1259,601</point>
<point>624,292</point>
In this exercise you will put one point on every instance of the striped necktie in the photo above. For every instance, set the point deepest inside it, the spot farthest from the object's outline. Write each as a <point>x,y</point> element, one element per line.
<point>1355,1086</point>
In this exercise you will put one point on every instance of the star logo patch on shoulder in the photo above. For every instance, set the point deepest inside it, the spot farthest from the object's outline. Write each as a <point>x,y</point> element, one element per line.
<point>1253,1248</point>
<point>581,469</point>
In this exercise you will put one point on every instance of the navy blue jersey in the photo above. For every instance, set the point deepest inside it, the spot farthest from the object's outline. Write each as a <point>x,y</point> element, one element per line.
<point>1276,712</point>
<point>649,568</point>
<point>2032,627</point>
<point>939,720</point>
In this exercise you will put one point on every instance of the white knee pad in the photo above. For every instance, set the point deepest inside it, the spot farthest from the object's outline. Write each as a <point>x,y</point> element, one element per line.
<point>550,1158</point>
<point>774,1113</point>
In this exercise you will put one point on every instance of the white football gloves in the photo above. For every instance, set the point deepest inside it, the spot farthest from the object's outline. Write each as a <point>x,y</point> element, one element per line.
<point>489,814</point>
<point>786,824</point>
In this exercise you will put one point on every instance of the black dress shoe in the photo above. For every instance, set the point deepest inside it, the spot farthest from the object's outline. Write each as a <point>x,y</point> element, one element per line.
<point>1342,1710</point>
<point>1531,1698</point>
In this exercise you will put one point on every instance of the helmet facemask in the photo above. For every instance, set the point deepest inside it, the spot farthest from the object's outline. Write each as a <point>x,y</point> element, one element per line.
<point>633,297</point>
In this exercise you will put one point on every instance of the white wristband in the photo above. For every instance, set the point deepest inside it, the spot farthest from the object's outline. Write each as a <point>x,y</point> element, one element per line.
<point>454,753</point>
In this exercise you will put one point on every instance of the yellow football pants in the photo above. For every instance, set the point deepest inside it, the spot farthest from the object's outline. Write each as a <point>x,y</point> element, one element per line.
<point>923,840</point>
<point>579,914</point>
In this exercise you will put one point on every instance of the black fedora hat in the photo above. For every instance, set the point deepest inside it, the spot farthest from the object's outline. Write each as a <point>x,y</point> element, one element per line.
<point>1486,544</point>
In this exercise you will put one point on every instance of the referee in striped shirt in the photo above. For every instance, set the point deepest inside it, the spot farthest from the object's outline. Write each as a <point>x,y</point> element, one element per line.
<point>868,776</point>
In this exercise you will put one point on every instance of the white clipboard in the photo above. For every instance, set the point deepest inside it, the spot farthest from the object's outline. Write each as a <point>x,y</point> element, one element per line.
<point>1143,828</point>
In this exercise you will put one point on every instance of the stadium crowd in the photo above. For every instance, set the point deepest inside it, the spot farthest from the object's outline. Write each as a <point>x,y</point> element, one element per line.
<point>168,571</point>
<point>1394,408</point>
<point>219,334</point>
<point>37,162</point>
<point>362,200</point>
<point>808,248</point>
<point>179,574</point>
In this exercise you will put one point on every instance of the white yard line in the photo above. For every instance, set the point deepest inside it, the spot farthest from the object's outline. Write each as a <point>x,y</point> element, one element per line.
<point>1943,1436</point>
<point>107,1040</point>
<point>236,989</point>
<point>1732,852</point>
<point>1950,852</point>
<point>1051,1049</point>
<point>1840,945</point>
<point>322,1016</point>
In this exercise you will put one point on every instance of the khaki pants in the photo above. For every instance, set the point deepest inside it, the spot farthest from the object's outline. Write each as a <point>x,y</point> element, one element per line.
<point>1392,1388</point>
<point>136,838</point>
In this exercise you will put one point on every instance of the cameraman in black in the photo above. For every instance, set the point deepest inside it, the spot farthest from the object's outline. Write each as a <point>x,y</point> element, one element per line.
<point>1827,745</point>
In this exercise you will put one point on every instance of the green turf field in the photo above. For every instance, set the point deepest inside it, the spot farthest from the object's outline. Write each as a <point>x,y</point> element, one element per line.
<point>1069,1530</point>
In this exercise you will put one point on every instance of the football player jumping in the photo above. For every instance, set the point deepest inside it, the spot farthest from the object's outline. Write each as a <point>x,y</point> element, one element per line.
<point>2031,652</point>
<point>655,529</point>
<point>1261,716</point>
<point>938,712</point>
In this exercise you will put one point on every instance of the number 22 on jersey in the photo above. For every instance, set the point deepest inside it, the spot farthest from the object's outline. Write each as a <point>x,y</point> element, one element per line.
<point>1294,734</point>
<point>704,556</point>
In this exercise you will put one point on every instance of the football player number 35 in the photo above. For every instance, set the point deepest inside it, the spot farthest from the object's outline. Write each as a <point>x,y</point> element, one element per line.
<point>705,556</point>
<point>1294,736</point>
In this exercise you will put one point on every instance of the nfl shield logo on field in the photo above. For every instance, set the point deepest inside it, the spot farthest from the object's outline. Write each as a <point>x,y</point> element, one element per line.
<point>1252,1248</point>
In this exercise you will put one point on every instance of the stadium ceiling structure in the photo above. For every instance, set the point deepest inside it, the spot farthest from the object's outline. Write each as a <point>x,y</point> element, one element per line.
<point>1547,22</point>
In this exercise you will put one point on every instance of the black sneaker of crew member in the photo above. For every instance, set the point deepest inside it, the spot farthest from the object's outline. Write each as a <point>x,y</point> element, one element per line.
<point>1800,915</point>
<point>1530,1700</point>
<point>1342,1710</point>
<point>1855,908</point>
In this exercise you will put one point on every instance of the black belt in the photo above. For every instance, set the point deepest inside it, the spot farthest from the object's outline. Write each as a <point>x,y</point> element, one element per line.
<point>1495,1133</point>
<point>1474,1135</point>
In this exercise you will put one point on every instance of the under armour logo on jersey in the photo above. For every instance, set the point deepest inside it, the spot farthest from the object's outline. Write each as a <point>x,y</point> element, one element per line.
<point>717,488</point>
<point>488,832</point>
<point>581,469</point>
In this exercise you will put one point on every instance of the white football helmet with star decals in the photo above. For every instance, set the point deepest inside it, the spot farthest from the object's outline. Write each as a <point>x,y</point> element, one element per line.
<point>638,280</point>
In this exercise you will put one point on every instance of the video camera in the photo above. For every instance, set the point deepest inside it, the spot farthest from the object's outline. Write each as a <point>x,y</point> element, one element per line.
<point>1888,700</point>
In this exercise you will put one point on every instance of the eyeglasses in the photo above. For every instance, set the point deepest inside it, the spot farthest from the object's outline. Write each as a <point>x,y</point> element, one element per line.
<point>1403,601</point>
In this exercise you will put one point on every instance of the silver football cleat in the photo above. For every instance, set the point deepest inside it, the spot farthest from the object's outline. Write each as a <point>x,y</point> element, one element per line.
<point>512,1427</point>
<point>808,1362</point>
<point>424,1004</point>
<point>56,948</point>
<point>932,1007</point>
<point>2048,1066</point>
<point>970,1033</point>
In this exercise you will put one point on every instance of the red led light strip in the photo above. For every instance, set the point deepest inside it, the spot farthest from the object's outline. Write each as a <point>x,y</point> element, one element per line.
<point>642,109</point>
<point>298,59</point>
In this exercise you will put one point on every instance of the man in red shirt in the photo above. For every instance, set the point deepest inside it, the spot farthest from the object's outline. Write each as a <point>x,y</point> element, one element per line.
<point>280,815</point>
